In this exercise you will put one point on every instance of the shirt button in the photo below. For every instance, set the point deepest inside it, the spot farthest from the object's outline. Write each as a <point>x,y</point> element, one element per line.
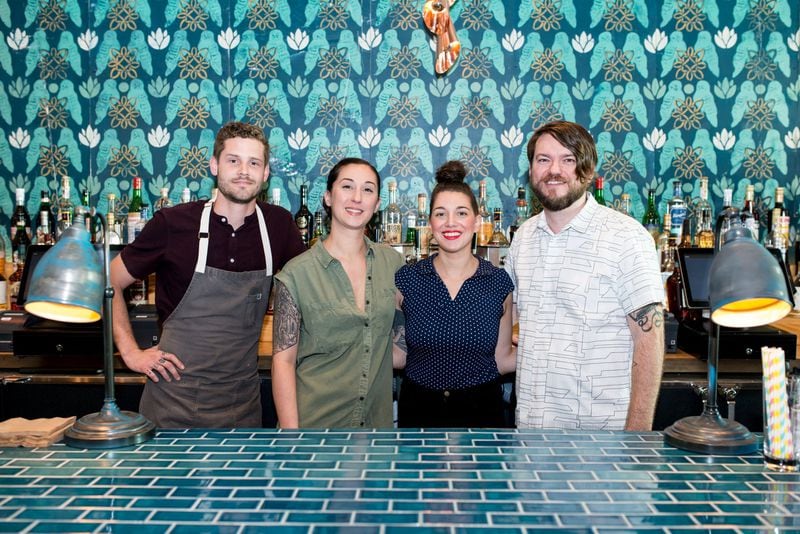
<point>361,398</point>
<point>446,393</point>
<point>367,302</point>
<point>362,423</point>
<point>224,220</point>
<point>366,324</point>
<point>233,234</point>
<point>232,260</point>
<point>369,278</point>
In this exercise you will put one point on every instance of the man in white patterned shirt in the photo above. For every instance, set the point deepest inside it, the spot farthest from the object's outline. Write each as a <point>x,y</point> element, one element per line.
<point>588,296</point>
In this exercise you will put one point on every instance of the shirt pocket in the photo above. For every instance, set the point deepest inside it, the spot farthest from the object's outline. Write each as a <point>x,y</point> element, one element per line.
<point>253,303</point>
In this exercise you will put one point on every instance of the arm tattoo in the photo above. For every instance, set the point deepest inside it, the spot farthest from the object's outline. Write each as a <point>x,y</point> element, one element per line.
<point>648,317</point>
<point>286,330</point>
<point>399,330</point>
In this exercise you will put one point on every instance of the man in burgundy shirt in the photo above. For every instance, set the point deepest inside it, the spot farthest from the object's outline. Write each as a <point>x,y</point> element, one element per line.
<point>213,263</point>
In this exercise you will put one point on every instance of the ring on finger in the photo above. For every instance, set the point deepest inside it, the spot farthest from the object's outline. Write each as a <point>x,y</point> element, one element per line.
<point>162,361</point>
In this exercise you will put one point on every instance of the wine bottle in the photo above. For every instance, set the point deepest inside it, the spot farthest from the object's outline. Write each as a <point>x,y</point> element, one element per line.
<point>303,217</point>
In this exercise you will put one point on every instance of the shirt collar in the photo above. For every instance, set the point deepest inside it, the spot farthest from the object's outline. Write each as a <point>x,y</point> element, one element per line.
<point>426,267</point>
<point>580,223</point>
<point>324,257</point>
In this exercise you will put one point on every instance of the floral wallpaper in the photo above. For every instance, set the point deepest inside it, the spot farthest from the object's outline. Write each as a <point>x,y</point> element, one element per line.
<point>105,90</point>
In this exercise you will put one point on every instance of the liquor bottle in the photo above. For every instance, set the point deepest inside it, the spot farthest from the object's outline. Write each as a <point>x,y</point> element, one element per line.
<point>114,229</point>
<point>625,204</point>
<point>275,195</point>
<point>666,243</point>
<point>20,214</point>
<point>319,227</point>
<point>65,208</point>
<point>677,210</point>
<point>392,218</point>
<point>3,281</point>
<point>704,218</point>
<point>598,191</point>
<point>374,228</point>
<point>498,236</point>
<point>411,227</point>
<point>186,195</point>
<point>136,293</point>
<point>163,201</point>
<point>727,204</point>
<point>15,278</point>
<point>674,288</point>
<point>686,235</point>
<point>135,209</point>
<point>521,213</point>
<point>21,241</point>
<point>651,220</point>
<point>423,233</point>
<point>303,217</point>
<point>487,227</point>
<point>45,231</point>
<point>93,225</point>
<point>749,214</point>
<point>779,216</point>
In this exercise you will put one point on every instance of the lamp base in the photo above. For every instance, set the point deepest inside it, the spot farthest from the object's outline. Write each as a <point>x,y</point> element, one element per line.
<point>109,428</point>
<point>710,434</point>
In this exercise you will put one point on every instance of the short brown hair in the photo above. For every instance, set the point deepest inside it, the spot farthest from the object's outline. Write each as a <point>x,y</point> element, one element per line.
<point>576,138</point>
<point>241,130</point>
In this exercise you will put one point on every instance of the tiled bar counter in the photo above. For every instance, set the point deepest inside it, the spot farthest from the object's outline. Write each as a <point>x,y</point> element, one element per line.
<point>393,481</point>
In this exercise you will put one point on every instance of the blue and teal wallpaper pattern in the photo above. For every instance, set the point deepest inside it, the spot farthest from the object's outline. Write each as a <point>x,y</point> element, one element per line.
<point>104,90</point>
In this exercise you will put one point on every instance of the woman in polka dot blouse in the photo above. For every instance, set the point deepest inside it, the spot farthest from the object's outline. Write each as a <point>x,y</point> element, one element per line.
<point>454,336</point>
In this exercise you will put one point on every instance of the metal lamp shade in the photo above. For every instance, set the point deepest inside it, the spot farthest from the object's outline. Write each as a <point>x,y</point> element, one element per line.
<point>746,286</point>
<point>67,284</point>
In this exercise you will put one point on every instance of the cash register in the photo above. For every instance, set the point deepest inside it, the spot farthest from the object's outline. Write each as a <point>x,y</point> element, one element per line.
<point>27,335</point>
<point>734,343</point>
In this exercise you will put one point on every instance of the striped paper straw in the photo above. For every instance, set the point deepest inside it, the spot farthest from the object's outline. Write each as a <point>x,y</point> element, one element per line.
<point>778,443</point>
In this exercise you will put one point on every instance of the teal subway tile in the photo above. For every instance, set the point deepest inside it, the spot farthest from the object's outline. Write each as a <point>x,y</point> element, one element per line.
<point>135,527</point>
<point>390,494</point>
<point>261,493</point>
<point>114,472</point>
<point>493,506</point>
<point>158,464</point>
<point>180,482</point>
<point>626,476</point>
<point>192,528</point>
<point>291,483</point>
<point>12,471</point>
<point>251,517</point>
<point>311,464</point>
<point>727,519</point>
<point>781,521</point>
<point>641,495</point>
<point>271,529</point>
<point>117,515</point>
<point>716,486</point>
<point>39,502</point>
<point>551,485</point>
<point>127,481</point>
<point>576,496</point>
<point>100,502</point>
<point>227,504</point>
<point>566,475</point>
<point>373,484</point>
<point>423,506</point>
<point>326,494</point>
<point>13,526</point>
<point>480,484</point>
<point>318,517</point>
<point>685,496</point>
<point>750,508</point>
<point>514,495</point>
<point>357,505</point>
<point>162,503</point>
<point>25,490</point>
<point>393,518</point>
<point>390,474</point>
<point>617,508</point>
<point>444,495</point>
<point>598,485</point>
<point>218,473</point>
<point>420,466</point>
<point>324,529</point>
<point>65,481</point>
<point>420,484</point>
<point>454,518</point>
<point>48,514</point>
<point>592,520</point>
<point>532,520</point>
<point>64,526</point>
<point>292,504</point>
<point>715,530</point>
<point>662,486</point>
<point>682,477</point>
<point>197,493</point>
<point>450,475</point>
<point>372,465</point>
<point>177,516</point>
<point>683,507</point>
<point>660,520</point>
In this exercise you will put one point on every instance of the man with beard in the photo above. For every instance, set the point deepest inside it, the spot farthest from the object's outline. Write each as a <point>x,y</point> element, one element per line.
<point>214,263</point>
<point>588,296</point>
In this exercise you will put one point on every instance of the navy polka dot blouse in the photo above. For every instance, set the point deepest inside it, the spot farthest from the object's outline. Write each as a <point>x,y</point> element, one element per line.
<point>451,343</point>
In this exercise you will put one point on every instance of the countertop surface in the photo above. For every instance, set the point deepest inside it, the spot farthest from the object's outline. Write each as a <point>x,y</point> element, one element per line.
<point>393,481</point>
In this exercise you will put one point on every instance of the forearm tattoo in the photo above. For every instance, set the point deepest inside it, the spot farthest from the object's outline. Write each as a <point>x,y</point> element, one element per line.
<point>648,317</point>
<point>286,331</point>
<point>399,330</point>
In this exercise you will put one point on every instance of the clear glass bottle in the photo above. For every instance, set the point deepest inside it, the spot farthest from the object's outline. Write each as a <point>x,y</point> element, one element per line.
<point>45,230</point>
<point>20,214</point>
<point>625,204</point>
<point>319,228</point>
<point>521,207</point>
<point>779,216</point>
<point>275,196</point>
<point>392,218</point>
<point>487,227</point>
<point>651,219</point>
<point>704,218</point>
<point>677,209</point>
<point>598,191</point>
<point>114,229</point>
<point>135,209</point>
<point>163,201</point>
<point>186,195</point>
<point>15,279</point>
<point>666,242</point>
<point>498,236</point>
<point>749,215</point>
<point>423,226</point>
<point>302,218</point>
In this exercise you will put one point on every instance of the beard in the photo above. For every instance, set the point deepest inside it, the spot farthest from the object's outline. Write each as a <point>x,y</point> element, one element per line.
<point>237,196</point>
<point>575,191</point>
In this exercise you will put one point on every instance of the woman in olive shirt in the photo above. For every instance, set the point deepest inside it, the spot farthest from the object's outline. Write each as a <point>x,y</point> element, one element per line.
<point>334,306</point>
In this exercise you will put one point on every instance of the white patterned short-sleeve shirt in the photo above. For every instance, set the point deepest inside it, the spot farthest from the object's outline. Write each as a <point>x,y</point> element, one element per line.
<point>573,291</point>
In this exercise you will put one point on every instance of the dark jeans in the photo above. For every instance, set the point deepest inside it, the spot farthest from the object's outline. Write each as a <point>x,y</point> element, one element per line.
<point>478,406</point>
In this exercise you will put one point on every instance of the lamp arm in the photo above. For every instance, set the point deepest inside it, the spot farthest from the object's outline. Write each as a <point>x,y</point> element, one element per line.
<point>108,318</point>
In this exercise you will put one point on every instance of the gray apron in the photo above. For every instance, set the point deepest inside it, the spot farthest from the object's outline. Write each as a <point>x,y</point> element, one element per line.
<point>214,330</point>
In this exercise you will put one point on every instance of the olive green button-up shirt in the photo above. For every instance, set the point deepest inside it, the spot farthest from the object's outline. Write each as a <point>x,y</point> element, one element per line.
<point>344,355</point>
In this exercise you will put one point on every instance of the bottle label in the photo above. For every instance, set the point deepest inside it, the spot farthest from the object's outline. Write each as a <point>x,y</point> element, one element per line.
<point>393,234</point>
<point>677,215</point>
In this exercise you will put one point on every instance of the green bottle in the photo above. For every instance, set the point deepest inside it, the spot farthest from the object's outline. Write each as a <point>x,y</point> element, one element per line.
<point>651,218</point>
<point>598,191</point>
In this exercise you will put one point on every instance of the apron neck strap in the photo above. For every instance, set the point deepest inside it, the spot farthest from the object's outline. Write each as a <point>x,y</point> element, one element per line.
<point>202,236</point>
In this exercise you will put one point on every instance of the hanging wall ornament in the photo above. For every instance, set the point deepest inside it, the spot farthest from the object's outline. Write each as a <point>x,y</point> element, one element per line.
<point>436,14</point>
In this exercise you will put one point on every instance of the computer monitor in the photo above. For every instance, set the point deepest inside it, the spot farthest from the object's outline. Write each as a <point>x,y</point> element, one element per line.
<point>695,268</point>
<point>32,257</point>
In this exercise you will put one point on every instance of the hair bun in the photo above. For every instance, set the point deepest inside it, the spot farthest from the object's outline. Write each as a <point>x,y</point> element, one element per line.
<point>451,171</point>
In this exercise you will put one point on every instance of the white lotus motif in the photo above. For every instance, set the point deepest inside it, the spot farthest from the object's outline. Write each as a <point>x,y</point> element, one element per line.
<point>19,138</point>
<point>298,39</point>
<point>656,42</point>
<point>724,140</point>
<point>18,39</point>
<point>793,41</point>
<point>440,136</point>
<point>89,136</point>
<point>158,39</point>
<point>228,39</point>
<point>511,137</point>
<point>655,139</point>
<point>369,137</point>
<point>88,40</point>
<point>370,39</point>
<point>513,41</point>
<point>792,138</point>
<point>583,43</point>
<point>299,139</point>
<point>158,137</point>
<point>726,37</point>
